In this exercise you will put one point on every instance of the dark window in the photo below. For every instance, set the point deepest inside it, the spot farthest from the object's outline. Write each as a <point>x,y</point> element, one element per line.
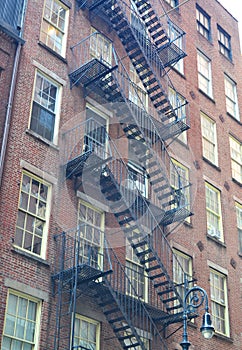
<point>203,23</point>
<point>224,42</point>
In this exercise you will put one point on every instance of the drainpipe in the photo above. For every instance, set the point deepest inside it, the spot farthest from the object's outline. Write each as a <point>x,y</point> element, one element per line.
<point>11,96</point>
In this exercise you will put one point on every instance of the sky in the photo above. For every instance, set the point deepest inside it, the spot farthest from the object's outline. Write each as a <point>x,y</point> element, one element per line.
<point>235,8</point>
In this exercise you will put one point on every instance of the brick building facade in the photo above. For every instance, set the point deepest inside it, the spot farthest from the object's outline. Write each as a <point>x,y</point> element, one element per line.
<point>121,173</point>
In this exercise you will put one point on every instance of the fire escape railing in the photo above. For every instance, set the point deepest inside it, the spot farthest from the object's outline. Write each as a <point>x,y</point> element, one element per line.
<point>109,283</point>
<point>136,213</point>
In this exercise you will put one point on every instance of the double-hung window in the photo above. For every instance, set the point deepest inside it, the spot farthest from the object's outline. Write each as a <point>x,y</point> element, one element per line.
<point>203,22</point>
<point>219,302</point>
<point>236,158</point>
<point>33,215</point>
<point>238,208</point>
<point>179,180</point>
<point>224,43</point>
<point>231,97</point>
<point>173,3</point>
<point>182,263</point>
<point>137,93</point>
<point>100,47</point>
<point>177,38</point>
<point>22,319</point>
<point>54,26</point>
<point>179,105</point>
<point>204,74</point>
<point>213,209</point>
<point>86,333</point>
<point>45,108</point>
<point>209,139</point>
<point>91,224</point>
<point>138,285</point>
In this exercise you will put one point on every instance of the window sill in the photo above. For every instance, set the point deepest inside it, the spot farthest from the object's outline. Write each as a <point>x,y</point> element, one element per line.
<point>227,58</point>
<point>216,240</point>
<point>206,95</point>
<point>17,250</point>
<point>212,164</point>
<point>223,337</point>
<point>42,139</point>
<point>52,52</point>
<point>233,117</point>
<point>237,182</point>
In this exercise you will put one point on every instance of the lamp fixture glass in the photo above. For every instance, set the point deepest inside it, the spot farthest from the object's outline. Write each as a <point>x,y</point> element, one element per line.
<point>207,328</point>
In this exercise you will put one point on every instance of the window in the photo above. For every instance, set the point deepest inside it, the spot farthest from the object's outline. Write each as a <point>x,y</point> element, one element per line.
<point>33,215</point>
<point>213,209</point>
<point>22,319</point>
<point>224,43</point>
<point>136,274</point>
<point>45,108</point>
<point>203,22</point>
<point>137,93</point>
<point>231,98</point>
<point>96,128</point>
<point>180,182</point>
<point>137,179</point>
<point>100,47</point>
<point>182,263</point>
<point>179,103</point>
<point>54,26</point>
<point>236,158</point>
<point>176,37</point>
<point>173,3</point>
<point>204,74</point>
<point>239,224</point>
<point>209,139</point>
<point>86,333</point>
<point>144,336</point>
<point>91,223</point>
<point>219,303</point>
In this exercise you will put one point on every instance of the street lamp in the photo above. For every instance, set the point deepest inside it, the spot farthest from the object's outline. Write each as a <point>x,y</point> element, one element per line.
<point>199,296</point>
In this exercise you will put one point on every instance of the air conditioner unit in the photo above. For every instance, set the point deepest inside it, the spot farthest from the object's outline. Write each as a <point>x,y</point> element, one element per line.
<point>214,232</point>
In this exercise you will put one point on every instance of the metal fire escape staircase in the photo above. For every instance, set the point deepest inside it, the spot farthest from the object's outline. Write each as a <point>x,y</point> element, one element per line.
<point>148,47</point>
<point>99,271</point>
<point>139,218</point>
<point>144,132</point>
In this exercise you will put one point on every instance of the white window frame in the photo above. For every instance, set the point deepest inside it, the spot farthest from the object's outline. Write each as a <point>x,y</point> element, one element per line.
<point>135,184</point>
<point>91,247</point>
<point>172,3</point>
<point>86,343</point>
<point>203,22</point>
<point>214,212</point>
<point>50,38</point>
<point>137,93</point>
<point>181,263</point>
<point>204,74</point>
<point>236,158</point>
<point>42,100</point>
<point>134,270</point>
<point>100,149</point>
<point>238,208</point>
<point>40,214</point>
<point>144,335</point>
<point>179,104</point>
<point>175,36</point>
<point>35,323</point>
<point>100,47</point>
<point>209,139</point>
<point>179,168</point>
<point>231,97</point>
<point>219,304</point>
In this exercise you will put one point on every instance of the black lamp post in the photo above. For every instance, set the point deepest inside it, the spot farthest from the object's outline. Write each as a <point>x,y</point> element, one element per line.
<point>197,297</point>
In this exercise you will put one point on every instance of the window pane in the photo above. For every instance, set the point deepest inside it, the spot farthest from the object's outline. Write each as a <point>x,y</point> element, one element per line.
<point>31,222</point>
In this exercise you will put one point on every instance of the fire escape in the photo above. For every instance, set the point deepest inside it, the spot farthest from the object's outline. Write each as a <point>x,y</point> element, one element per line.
<point>92,159</point>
